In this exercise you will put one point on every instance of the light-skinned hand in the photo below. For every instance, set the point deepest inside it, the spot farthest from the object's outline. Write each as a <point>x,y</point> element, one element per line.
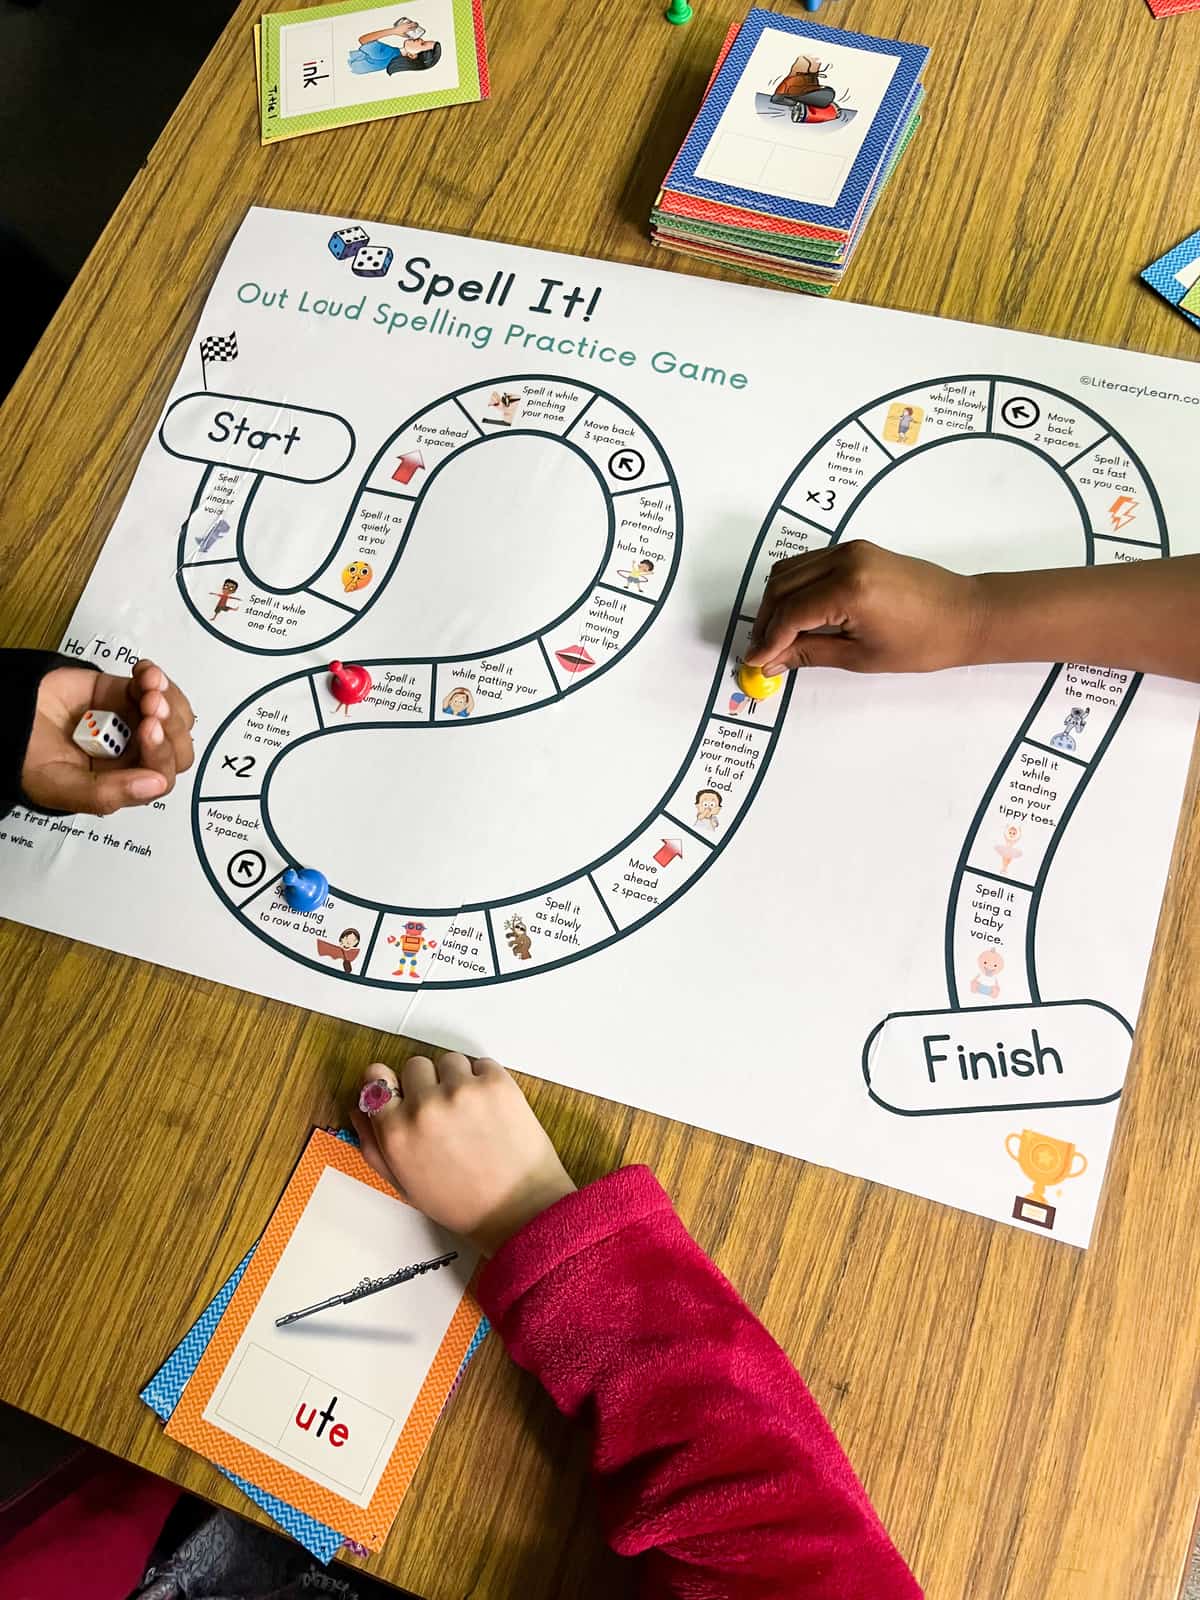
<point>59,775</point>
<point>876,612</point>
<point>463,1146</point>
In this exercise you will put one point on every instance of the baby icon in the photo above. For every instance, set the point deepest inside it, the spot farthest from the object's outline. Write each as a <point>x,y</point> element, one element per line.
<point>1007,848</point>
<point>985,982</point>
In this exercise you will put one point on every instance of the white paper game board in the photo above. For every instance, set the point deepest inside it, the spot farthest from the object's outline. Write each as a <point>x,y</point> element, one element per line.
<point>896,925</point>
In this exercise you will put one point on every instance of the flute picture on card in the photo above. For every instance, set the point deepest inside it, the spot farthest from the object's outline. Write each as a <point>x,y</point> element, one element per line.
<point>368,1286</point>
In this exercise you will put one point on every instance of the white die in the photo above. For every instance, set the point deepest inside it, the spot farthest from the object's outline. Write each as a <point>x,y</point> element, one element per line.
<point>371,260</point>
<point>102,733</point>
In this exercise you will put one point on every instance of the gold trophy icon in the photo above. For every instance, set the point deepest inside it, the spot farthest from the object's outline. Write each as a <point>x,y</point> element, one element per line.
<point>1045,1161</point>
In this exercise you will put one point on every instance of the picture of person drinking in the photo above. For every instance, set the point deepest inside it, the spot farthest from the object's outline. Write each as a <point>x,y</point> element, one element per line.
<point>400,48</point>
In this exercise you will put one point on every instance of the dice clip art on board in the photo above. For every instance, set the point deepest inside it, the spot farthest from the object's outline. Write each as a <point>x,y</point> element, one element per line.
<point>346,241</point>
<point>371,260</point>
<point>102,733</point>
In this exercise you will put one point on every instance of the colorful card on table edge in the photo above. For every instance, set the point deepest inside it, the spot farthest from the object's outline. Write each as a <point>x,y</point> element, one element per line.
<point>894,107</point>
<point>318,1518</point>
<point>162,1393</point>
<point>1176,276</point>
<point>686,205</point>
<point>788,271</point>
<point>464,61</point>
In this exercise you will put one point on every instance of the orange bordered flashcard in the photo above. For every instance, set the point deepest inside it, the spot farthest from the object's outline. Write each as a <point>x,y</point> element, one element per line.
<point>331,1413</point>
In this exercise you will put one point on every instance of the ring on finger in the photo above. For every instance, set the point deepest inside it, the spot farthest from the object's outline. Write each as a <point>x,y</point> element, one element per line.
<point>375,1095</point>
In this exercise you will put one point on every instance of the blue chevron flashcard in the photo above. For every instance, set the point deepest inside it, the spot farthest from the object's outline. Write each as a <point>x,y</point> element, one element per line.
<point>1176,276</point>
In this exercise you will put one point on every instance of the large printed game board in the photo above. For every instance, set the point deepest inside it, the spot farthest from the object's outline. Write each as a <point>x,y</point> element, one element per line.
<point>896,925</point>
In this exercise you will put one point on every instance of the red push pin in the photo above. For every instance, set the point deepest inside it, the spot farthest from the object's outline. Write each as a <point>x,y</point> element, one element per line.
<point>349,685</point>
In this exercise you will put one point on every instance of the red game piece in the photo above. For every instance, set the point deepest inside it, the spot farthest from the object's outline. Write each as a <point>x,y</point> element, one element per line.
<point>349,684</point>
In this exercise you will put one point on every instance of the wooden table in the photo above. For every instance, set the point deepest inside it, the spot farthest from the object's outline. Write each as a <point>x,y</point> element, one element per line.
<point>1023,1414</point>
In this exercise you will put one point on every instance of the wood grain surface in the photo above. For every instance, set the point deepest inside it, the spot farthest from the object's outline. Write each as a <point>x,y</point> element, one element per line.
<point>1024,1414</point>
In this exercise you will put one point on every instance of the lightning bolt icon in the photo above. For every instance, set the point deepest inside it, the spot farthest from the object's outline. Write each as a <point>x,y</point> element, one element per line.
<point>1121,518</point>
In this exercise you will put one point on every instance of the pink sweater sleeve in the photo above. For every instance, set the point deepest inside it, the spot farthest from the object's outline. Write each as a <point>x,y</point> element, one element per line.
<point>713,1462</point>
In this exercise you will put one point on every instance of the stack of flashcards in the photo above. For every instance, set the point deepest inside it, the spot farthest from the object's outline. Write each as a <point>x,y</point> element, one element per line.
<point>1176,276</point>
<point>800,129</point>
<point>330,66</point>
<point>315,1378</point>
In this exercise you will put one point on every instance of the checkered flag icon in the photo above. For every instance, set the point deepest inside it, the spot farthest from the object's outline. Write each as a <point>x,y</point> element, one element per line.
<point>221,347</point>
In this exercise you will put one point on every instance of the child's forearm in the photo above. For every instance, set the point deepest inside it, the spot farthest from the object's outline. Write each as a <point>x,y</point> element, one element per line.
<point>714,1464</point>
<point>862,608</point>
<point>713,1461</point>
<point>21,674</point>
<point>1144,616</point>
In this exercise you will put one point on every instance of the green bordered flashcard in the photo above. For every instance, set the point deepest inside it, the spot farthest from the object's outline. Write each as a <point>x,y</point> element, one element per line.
<point>330,66</point>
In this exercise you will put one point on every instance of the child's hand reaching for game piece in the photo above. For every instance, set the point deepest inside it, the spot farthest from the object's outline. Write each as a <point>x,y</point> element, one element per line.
<point>875,612</point>
<point>461,1142</point>
<point>57,774</point>
<point>868,610</point>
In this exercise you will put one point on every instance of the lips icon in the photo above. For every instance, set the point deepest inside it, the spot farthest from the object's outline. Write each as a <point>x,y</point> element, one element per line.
<point>574,658</point>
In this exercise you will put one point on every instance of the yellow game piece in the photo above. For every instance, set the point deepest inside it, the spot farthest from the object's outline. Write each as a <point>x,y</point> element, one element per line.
<point>752,682</point>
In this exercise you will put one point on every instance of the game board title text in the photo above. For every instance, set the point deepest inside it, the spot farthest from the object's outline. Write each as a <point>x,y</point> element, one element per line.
<point>554,297</point>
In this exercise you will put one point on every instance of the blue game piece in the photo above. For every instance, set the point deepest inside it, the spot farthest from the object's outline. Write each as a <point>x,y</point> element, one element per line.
<point>305,889</point>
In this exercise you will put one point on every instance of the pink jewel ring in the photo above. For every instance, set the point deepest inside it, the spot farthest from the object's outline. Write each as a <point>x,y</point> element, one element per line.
<point>375,1095</point>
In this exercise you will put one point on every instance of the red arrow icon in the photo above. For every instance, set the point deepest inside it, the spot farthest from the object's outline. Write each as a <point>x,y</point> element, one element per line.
<point>670,849</point>
<point>408,466</point>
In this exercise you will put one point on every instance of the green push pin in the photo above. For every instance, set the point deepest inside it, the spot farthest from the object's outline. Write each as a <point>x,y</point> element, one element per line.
<point>678,11</point>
